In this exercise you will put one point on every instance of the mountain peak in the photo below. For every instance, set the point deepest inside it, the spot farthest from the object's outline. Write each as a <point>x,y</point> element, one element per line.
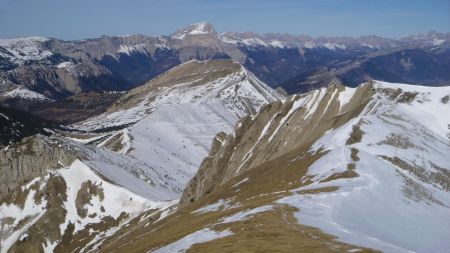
<point>200,28</point>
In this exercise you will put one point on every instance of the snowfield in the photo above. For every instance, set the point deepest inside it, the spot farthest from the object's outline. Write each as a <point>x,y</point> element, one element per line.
<point>172,130</point>
<point>22,92</point>
<point>186,242</point>
<point>398,202</point>
<point>176,138</point>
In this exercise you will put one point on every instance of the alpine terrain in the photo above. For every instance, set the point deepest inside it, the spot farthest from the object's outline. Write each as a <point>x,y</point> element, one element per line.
<point>336,169</point>
<point>92,178</point>
<point>201,141</point>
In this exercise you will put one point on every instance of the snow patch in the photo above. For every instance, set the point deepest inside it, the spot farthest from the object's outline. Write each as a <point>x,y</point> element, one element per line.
<point>245,214</point>
<point>345,96</point>
<point>427,107</point>
<point>200,236</point>
<point>22,92</point>
<point>69,66</point>
<point>25,49</point>
<point>333,46</point>
<point>129,49</point>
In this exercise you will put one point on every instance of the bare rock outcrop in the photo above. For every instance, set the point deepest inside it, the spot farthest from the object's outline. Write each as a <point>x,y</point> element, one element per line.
<point>29,159</point>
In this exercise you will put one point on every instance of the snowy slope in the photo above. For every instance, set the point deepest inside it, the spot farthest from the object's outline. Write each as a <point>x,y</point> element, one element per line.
<point>22,92</point>
<point>176,138</point>
<point>25,49</point>
<point>105,201</point>
<point>400,200</point>
<point>240,92</point>
<point>369,165</point>
<point>173,126</point>
<point>194,29</point>
<point>186,242</point>
<point>139,176</point>
<point>252,42</point>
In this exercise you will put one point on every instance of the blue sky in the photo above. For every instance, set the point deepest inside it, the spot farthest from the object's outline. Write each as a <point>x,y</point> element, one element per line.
<point>77,19</point>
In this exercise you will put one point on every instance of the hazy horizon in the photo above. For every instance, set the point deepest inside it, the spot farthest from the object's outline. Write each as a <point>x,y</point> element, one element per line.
<point>168,34</point>
<point>323,18</point>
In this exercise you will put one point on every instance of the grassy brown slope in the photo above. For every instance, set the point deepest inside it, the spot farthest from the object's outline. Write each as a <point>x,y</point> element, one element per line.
<point>276,230</point>
<point>194,72</point>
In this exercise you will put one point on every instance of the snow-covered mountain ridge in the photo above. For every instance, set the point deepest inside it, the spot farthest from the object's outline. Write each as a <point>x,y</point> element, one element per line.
<point>402,173</point>
<point>313,172</point>
<point>363,164</point>
<point>175,117</point>
<point>195,82</point>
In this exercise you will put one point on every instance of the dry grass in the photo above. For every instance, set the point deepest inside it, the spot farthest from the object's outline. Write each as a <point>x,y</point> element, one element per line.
<point>398,141</point>
<point>407,97</point>
<point>115,143</point>
<point>416,192</point>
<point>272,231</point>
<point>84,196</point>
<point>356,135</point>
<point>440,176</point>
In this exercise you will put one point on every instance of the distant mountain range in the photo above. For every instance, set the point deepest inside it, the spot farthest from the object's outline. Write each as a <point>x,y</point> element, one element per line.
<point>58,69</point>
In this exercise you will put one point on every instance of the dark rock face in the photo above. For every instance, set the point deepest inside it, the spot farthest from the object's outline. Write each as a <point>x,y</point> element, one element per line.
<point>281,66</point>
<point>58,83</point>
<point>414,66</point>
<point>137,67</point>
<point>15,125</point>
<point>409,66</point>
<point>68,110</point>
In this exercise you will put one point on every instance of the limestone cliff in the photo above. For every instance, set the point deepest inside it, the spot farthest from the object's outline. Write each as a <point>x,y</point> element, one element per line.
<point>30,158</point>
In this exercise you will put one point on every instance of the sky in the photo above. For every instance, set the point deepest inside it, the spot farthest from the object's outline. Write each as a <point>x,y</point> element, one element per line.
<point>79,19</point>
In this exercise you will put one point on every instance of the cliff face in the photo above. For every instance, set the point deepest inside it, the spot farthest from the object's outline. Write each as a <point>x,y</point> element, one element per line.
<point>29,159</point>
<point>280,129</point>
